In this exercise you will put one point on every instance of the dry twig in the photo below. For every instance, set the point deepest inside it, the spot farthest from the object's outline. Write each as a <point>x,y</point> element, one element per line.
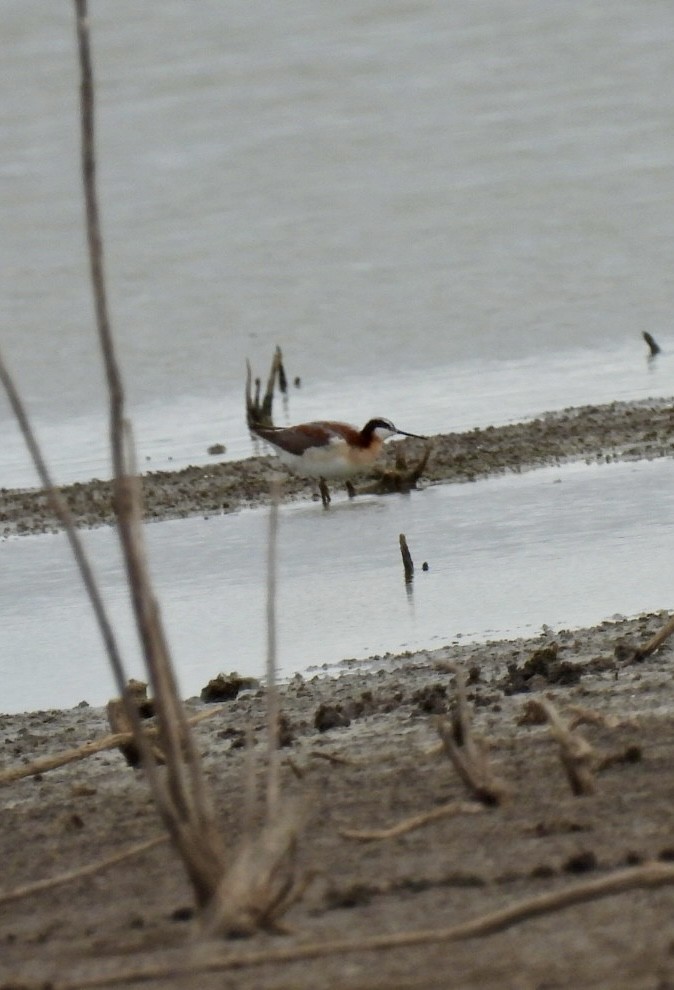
<point>451,810</point>
<point>401,478</point>
<point>90,870</point>
<point>342,761</point>
<point>54,760</point>
<point>650,875</point>
<point>627,652</point>
<point>468,753</point>
<point>657,640</point>
<point>578,756</point>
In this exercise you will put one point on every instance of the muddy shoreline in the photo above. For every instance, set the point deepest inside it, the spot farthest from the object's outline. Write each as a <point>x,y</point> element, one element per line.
<point>618,431</point>
<point>371,766</point>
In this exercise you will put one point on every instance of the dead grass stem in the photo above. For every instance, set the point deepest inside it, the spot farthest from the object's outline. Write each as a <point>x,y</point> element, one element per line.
<point>113,741</point>
<point>90,870</point>
<point>450,810</point>
<point>578,757</point>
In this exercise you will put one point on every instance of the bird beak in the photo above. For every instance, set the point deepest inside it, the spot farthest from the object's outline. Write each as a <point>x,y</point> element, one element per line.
<point>417,436</point>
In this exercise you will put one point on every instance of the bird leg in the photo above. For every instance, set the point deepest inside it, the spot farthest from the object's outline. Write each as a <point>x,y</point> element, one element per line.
<point>325,492</point>
<point>350,490</point>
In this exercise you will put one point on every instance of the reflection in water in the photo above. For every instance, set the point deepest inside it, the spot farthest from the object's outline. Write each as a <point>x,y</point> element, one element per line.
<point>562,547</point>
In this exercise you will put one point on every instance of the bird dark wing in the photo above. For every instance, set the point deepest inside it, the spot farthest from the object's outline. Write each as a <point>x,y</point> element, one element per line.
<point>297,439</point>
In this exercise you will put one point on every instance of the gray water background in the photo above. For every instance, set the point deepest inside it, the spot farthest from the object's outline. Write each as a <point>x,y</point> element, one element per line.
<point>450,214</point>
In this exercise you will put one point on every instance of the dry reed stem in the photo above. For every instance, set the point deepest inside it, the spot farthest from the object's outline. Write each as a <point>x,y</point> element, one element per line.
<point>259,413</point>
<point>181,795</point>
<point>62,511</point>
<point>52,762</point>
<point>273,770</point>
<point>451,810</point>
<point>468,753</point>
<point>577,755</point>
<point>90,584</point>
<point>261,884</point>
<point>342,761</point>
<point>650,875</point>
<point>90,870</point>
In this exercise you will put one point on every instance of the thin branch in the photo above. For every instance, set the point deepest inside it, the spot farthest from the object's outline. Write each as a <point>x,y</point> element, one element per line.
<point>469,753</point>
<point>578,757</point>
<point>273,772</point>
<point>656,641</point>
<point>650,875</point>
<point>88,157</point>
<point>61,509</point>
<point>54,760</point>
<point>451,810</point>
<point>90,870</point>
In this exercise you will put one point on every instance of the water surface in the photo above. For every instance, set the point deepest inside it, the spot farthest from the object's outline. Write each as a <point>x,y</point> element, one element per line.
<point>447,214</point>
<point>560,547</point>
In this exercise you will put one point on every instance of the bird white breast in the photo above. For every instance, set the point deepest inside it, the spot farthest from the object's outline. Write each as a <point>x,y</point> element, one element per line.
<point>333,460</point>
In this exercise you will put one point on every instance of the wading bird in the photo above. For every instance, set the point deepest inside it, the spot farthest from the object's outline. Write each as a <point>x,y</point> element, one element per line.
<point>330,450</point>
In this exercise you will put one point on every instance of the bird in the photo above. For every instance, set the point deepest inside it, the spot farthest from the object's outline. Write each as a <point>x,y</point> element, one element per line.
<point>326,449</point>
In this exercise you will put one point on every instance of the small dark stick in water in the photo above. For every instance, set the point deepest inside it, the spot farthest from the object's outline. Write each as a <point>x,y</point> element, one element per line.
<point>282,379</point>
<point>408,564</point>
<point>653,345</point>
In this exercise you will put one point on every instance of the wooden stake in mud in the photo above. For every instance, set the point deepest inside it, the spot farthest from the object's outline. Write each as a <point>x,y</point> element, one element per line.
<point>653,346</point>
<point>408,563</point>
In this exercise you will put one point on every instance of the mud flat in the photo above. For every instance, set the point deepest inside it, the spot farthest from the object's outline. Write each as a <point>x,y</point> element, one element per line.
<point>622,431</point>
<point>359,746</point>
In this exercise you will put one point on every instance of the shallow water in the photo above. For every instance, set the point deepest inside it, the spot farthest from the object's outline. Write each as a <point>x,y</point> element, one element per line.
<point>562,547</point>
<point>446,214</point>
<point>441,400</point>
